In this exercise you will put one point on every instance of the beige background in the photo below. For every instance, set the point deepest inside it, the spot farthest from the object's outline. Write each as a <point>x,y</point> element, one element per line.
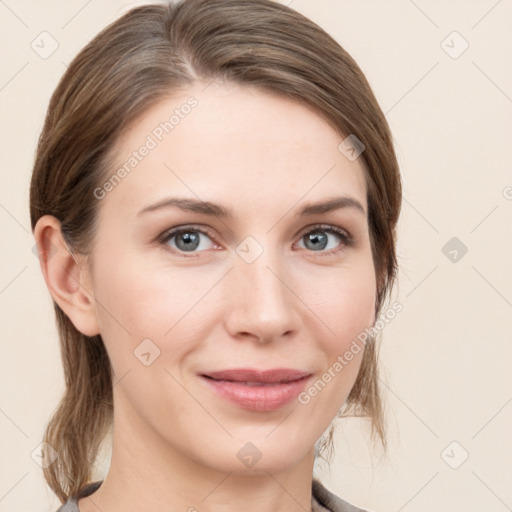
<point>446,357</point>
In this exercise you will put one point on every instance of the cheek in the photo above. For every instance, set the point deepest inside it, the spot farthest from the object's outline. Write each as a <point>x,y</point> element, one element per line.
<point>353,309</point>
<point>345,307</point>
<point>344,302</point>
<point>139,301</point>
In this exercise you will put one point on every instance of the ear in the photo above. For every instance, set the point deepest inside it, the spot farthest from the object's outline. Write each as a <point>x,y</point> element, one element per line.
<point>66,275</point>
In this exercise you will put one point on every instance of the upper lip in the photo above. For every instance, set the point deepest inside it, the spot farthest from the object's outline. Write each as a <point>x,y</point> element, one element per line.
<point>253,375</point>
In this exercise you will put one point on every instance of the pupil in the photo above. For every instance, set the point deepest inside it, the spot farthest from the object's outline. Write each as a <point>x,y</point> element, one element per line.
<point>318,240</point>
<point>187,241</point>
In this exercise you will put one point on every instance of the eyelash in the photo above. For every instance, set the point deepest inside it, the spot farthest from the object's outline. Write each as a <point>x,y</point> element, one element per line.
<point>345,237</point>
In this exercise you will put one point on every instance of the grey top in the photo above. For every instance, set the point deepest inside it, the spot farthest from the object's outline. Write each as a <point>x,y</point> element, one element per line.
<point>322,499</point>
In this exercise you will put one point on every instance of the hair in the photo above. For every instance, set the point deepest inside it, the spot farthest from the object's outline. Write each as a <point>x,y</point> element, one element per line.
<point>147,54</point>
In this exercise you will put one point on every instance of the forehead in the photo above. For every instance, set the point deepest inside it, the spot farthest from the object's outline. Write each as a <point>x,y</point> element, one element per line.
<point>233,143</point>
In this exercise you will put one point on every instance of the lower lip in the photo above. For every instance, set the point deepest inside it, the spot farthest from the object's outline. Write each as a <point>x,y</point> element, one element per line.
<point>258,398</point>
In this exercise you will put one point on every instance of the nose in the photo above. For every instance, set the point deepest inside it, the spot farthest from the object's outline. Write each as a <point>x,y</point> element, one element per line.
<point>262,305</point>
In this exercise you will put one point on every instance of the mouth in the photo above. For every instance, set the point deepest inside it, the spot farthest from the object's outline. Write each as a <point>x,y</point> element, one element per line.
<point>257,390</point>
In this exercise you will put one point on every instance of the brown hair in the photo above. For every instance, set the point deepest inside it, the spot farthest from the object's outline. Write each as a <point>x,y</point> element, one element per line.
<point>147,54</point>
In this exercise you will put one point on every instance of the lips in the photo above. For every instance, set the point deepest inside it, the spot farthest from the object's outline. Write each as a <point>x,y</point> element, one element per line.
<point>279,375</point>
<point>257,390</point>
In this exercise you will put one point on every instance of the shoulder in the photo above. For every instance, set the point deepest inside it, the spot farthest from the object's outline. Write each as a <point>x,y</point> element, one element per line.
<point>72,504</point>
<point>330,501</point>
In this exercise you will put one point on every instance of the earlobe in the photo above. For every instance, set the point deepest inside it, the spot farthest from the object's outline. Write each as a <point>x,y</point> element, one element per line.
<point>66,276</point>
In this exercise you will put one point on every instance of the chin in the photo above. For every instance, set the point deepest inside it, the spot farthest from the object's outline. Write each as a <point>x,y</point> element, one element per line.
<point>261,456</point>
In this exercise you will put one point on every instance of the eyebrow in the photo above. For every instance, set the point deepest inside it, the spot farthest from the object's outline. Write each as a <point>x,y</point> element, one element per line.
<point>217,210</point>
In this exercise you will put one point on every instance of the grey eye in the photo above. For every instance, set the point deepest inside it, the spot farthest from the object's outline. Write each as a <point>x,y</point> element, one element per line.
<point>320,239</point>
<point>315,240</point>
<point>188,240</point>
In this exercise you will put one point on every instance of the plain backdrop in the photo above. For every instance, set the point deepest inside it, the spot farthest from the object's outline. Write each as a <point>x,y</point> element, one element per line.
<point>441,73</point>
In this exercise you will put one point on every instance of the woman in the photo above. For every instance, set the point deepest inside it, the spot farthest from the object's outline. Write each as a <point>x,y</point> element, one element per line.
<point>214,200</point>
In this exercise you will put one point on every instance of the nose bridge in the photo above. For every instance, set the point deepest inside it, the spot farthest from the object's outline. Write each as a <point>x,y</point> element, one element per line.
<point>262,303</point>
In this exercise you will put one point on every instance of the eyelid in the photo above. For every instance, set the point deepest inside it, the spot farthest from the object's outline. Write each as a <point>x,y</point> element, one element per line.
<point>323,227</point>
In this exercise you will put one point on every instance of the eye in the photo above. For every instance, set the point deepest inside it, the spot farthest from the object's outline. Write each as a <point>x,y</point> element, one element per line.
<point>322,238</point>
<point>187,239</point>
<point>326,238</point>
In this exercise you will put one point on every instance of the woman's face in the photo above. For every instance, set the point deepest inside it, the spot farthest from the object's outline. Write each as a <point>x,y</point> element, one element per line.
<point>249,283</point>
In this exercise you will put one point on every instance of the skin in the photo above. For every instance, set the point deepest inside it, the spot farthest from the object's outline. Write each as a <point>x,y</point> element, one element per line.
<point>175,441</point>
